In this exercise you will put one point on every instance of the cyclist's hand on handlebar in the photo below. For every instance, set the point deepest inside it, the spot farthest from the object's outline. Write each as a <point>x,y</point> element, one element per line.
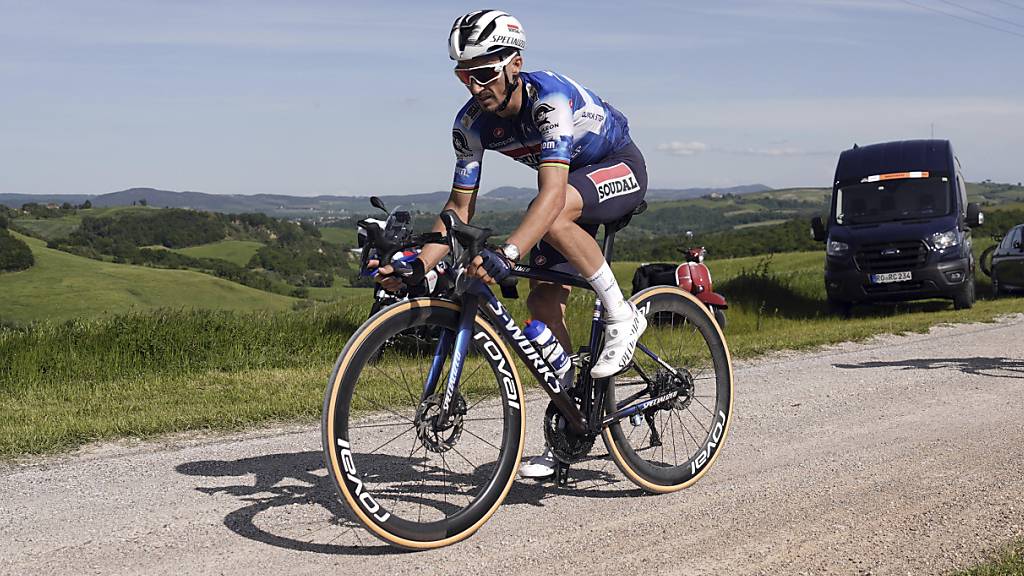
<point>491,266</point>
<point>394,275</point>
<point>386,280</point>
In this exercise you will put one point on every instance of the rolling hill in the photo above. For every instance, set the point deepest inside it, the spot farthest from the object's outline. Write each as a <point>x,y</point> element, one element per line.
<point>62,286</point>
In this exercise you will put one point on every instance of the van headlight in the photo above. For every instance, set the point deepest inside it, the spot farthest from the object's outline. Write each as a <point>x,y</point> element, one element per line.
<point>837,248</point>
<point>942,240</point>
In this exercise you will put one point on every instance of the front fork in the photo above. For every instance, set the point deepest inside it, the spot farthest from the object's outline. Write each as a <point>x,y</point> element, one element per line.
<point>457,350</point>
<point>541,369</point>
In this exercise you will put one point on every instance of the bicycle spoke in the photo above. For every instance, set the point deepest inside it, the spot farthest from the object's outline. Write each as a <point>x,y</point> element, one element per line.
<point>481,439</point>
<point>692,437</point>
<point>412,397</point>
<point>703,406</point>
<point>384,408</point>
<point>396,437</point>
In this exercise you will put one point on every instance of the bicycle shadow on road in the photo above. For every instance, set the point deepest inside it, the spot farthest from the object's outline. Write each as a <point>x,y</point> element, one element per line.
<point>283,481</point>
<point>977,366</point>
<point>290,501</point>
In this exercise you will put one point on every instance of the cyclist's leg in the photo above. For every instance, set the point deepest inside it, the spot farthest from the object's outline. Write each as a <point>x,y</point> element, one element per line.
<point>546,303</point>
<point>598,193</point>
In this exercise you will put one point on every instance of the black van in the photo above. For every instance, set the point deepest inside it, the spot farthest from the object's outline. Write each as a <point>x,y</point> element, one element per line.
<point>899,226</point>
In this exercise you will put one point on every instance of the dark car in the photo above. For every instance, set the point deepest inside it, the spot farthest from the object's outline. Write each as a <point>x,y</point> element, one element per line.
<point>1008,262</point>
<point>899,227</point>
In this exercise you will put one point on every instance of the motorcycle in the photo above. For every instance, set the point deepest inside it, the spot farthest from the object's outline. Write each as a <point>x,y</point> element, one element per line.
<point>692,275</point>
<point>382,240</point>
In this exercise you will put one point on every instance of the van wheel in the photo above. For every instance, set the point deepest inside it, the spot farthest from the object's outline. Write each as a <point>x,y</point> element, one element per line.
<point>964,298</point>
<point>996,290</point>
<point>840,308</point>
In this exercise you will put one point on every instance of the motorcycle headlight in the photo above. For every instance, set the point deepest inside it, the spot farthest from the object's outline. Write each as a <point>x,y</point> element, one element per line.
<point>943,240</point>
<point>837,248</point>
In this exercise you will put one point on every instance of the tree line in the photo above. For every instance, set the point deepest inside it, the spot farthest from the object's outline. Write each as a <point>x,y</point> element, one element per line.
<point>293,253</point>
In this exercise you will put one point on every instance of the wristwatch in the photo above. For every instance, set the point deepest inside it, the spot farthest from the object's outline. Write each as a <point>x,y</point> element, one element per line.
<point>511,251</point>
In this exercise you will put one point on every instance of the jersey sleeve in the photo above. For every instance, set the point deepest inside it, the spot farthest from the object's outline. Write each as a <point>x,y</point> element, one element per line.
<point>552,115</point>
<point>469,153</point>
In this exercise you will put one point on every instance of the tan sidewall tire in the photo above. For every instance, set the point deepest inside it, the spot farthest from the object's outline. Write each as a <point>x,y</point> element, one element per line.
<point>606,434</point>
<point>330,405</point>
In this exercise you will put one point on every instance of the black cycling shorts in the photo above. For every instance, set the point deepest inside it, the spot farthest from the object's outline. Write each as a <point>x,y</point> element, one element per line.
<point>610,189</point>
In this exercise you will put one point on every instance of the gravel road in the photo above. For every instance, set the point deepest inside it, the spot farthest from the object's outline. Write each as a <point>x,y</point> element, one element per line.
<point>902,455</point>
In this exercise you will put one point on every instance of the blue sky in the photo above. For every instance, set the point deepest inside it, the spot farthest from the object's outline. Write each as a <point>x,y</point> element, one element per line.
<point>346,97</point>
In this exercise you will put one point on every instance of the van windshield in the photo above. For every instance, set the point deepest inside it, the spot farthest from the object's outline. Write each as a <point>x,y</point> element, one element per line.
<point>893,200</point>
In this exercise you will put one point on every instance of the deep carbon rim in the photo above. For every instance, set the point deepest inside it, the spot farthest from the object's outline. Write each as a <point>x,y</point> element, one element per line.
<point>691,433</point>
<point>405,493</point>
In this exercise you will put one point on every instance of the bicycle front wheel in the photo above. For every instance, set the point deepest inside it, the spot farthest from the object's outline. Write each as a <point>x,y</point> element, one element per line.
<point>677,394</point>
<point>412,480</point>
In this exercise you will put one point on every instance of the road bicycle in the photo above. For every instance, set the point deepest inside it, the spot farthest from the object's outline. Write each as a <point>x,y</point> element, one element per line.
<point>423,440</point>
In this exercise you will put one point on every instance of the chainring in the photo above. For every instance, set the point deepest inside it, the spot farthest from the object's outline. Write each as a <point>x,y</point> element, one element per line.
<point>568,446</point>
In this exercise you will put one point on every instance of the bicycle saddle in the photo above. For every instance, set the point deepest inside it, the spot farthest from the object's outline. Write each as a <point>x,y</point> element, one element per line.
<point>616,225</point>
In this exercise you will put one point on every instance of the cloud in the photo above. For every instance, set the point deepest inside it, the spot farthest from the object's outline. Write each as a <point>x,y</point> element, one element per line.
<point>777,150</point>
<point>677,148</point>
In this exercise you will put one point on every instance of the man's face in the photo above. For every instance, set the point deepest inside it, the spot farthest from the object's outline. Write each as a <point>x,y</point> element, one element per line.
<point>491,95</point>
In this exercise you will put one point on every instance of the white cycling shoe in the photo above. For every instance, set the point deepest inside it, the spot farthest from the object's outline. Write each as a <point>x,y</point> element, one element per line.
<point>620,340</point>
<point>542,466</point>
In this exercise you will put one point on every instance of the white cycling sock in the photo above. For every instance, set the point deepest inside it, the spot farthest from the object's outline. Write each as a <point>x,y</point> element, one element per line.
<point>603,282</point>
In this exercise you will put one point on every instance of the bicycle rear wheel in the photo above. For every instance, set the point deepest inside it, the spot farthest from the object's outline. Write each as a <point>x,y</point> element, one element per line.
<point>685,399</point>
<point>411,480</point>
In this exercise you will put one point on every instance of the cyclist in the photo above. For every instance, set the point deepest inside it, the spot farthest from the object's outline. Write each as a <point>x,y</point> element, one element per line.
<point>589,173</point>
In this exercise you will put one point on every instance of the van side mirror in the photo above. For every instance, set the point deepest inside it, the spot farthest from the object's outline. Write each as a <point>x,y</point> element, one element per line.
<point>818,229</point>
<point>974,215</point>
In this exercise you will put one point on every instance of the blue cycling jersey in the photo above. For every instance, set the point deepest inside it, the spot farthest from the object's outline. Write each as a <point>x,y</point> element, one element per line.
<point>560,123</point>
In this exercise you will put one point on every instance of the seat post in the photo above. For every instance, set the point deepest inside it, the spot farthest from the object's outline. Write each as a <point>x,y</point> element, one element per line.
<point>609,242</point>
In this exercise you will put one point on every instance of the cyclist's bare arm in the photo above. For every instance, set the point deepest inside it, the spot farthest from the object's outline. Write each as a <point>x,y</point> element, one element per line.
<point>464,204</point>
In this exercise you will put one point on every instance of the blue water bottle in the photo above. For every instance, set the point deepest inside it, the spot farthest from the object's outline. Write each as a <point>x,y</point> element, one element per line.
<point>548,346</point>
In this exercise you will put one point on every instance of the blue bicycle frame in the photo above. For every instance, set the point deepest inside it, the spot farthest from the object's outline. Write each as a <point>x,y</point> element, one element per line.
<point>478,296</point>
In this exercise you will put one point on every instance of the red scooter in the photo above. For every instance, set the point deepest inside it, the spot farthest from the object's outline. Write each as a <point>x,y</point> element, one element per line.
<point>692,275</point>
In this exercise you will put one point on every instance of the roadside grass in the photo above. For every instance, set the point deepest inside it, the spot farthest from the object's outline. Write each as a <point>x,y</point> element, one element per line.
<point>62,286</point>
<point>1009,561</point>
<point>155,371</point>
<point>138,374</point>
<point>234,251</point>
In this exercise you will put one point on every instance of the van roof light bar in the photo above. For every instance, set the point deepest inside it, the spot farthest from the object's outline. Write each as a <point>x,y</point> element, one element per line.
<point>895,176</point>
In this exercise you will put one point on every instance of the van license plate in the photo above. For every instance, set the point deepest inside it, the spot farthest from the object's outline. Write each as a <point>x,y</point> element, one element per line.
<point>890,277</point>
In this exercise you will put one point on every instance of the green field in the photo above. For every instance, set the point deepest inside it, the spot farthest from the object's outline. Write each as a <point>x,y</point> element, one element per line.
<point>48,228</point>
<point>234,251</point>
<point>341,236</point>
<point>62,286</point>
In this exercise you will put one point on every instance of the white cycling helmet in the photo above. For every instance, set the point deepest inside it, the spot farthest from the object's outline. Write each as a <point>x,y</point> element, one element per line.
<point>484,32</point>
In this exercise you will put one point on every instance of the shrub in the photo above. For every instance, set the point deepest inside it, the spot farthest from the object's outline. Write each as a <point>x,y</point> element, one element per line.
<point>14,254</point>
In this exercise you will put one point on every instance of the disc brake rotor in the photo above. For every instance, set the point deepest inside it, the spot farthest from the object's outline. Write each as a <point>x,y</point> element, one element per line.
<point>440,436</point>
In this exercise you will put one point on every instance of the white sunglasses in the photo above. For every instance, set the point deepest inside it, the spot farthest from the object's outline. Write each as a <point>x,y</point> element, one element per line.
<point>482,75</point>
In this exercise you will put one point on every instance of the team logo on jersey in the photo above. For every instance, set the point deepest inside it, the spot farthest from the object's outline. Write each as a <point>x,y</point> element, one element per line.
<point>540,117</point>
<point>471,114</point>
<point>460,143</point>
<point>499,132</point>
<point>617,180</point>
